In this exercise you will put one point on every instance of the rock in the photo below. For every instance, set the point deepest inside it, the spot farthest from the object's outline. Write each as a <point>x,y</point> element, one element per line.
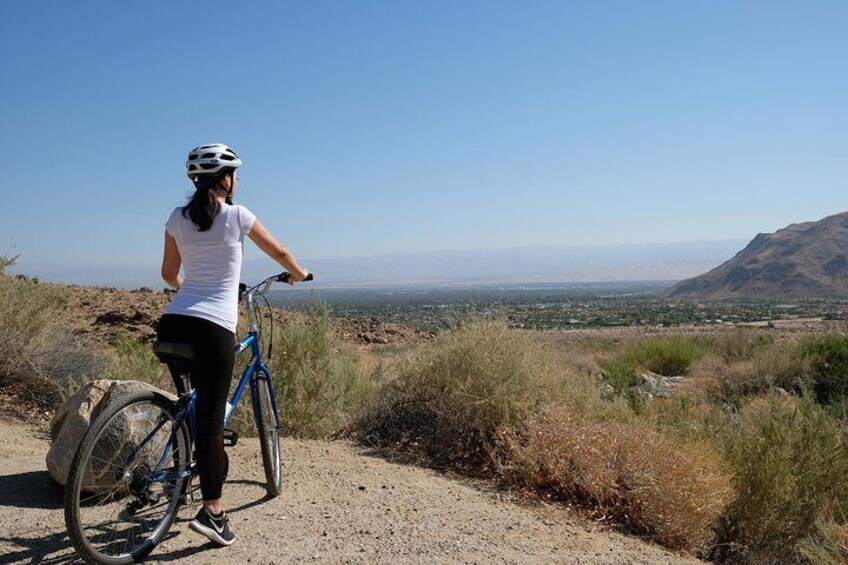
<point>74,417</point>
<point>607,391</point>
<point>380,338</point>
<point>145,290</point>
<point>656,385</point>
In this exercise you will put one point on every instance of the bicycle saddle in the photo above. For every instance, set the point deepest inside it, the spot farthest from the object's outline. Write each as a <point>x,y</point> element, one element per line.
<point>179,354</point>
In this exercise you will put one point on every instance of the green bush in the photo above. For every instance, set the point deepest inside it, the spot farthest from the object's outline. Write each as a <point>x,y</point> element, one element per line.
<point>828,357</point>
<point>318,381</point>
<point>791,471</point>
<point>665,356</point>
<point>620,374</point>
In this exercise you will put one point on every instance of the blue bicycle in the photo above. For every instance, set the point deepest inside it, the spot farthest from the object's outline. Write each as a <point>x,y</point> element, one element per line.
<point>135,464</point>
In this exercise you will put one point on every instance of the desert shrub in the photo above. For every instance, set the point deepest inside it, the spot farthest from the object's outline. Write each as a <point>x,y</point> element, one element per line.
<point>740,344</point>
<point>685,418</point>
<point>791,470</point>
<point>448,401</point>
<point>784,366</point>
<point>66,362</point>
<point>733,383</point>
<point>829,544</point>
<point>665,356</point>
<point>318,381</point>
<point>25,309</point>
<point>627,474</point>
<point>828,358</point>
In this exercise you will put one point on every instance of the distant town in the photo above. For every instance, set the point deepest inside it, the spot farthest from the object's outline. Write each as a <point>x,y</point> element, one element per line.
<point>557,306</point>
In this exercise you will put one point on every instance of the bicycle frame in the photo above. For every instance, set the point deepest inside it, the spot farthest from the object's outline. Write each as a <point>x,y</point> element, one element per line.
<point>255,369</point>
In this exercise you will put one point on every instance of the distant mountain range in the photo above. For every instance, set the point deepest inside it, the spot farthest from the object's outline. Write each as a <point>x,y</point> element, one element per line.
<point>644,262</point>
<point>807,260</point>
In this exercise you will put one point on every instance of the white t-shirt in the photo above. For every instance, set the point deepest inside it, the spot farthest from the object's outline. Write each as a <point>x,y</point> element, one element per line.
<point>211,263</point>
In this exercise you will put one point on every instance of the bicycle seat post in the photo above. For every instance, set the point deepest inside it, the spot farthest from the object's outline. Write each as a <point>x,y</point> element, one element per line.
<point>179,357</point>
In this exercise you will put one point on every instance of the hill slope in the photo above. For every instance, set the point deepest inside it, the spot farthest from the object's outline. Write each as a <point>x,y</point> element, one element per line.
<point>806,260</point>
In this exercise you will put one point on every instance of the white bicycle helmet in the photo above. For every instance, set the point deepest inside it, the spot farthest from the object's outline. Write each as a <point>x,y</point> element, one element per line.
<point>209,159</point>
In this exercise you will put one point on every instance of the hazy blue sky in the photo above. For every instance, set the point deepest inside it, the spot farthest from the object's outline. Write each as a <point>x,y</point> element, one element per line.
<point>372,127</point>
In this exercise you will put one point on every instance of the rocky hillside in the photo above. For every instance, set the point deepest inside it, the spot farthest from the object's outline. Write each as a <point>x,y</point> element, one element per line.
<point>101,313</point>
<point>806,260</point>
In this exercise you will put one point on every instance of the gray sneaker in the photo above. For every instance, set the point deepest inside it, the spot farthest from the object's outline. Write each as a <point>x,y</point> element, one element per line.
<point>214,527</point>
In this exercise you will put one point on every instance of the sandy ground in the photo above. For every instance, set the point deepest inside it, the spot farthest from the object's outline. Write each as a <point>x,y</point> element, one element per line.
<point>341,504</point>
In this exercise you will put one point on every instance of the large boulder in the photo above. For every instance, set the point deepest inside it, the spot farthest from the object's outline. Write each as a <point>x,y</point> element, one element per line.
<point>73,419</point>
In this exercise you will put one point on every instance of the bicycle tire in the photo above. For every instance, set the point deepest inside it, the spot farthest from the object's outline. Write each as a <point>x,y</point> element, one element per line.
<point>269,437</point>
<point>125,480</point>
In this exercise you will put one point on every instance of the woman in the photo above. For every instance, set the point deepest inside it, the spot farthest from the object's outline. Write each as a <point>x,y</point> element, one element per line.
<point>206,236</point>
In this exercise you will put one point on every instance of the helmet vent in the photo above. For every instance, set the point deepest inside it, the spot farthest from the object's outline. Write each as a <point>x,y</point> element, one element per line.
<point>208,156</point>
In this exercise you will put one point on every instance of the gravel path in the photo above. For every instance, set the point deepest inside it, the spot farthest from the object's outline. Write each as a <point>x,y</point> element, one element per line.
<point>339,505</point>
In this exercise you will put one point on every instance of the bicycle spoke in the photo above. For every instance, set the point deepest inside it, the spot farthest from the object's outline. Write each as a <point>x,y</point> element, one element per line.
<point>121,503</point>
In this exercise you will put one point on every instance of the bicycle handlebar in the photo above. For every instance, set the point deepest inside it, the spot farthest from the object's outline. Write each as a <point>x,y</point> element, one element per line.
<point>282,277</point>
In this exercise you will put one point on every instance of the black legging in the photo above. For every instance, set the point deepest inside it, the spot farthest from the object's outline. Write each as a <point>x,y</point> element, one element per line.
<point>213,369</point>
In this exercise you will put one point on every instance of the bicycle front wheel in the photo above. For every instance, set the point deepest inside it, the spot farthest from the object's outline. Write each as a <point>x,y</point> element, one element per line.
<point>126,480</point>
<point>269,436</point>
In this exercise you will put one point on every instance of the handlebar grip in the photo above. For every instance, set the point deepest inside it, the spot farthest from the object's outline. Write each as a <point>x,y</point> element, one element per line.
<point>284,277</point>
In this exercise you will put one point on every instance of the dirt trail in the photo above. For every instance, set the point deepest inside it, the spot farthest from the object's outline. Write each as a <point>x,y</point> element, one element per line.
<point>339,505</point>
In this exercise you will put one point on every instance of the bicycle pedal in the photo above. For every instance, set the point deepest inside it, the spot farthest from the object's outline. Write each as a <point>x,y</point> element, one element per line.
<point>230,438</point>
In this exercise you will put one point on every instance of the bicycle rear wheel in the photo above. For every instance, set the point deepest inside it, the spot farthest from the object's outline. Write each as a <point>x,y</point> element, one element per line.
<point>269,436</point>
<point>126,480</point>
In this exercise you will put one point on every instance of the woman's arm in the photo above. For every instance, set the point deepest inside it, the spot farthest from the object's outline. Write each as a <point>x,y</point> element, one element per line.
<point>171,262</point>
<point>275,250</point>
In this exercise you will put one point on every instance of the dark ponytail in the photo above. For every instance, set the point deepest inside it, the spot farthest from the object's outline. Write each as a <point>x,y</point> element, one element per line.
<point>203,206</point>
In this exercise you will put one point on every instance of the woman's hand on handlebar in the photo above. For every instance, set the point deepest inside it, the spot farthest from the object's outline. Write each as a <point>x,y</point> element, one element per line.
<point>286,277</point>
<point>297,276</point>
